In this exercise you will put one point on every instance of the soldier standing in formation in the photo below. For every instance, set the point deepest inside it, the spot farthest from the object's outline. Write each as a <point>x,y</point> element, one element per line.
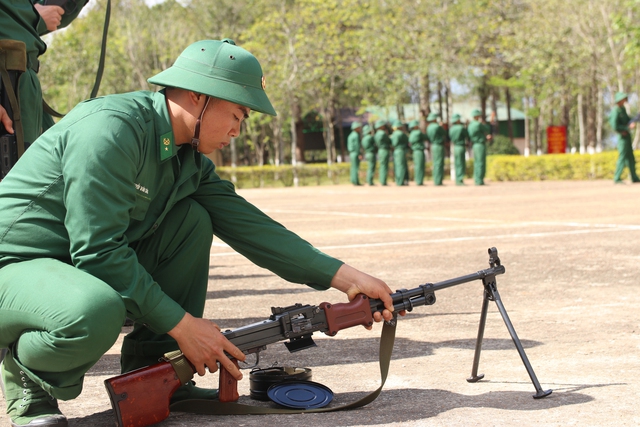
<point>436,136</point>
<point>369,147</point>
<point>479,134</point>
<point>416,141</point>
<point>353,146</point>
<point>621,124</point>
<point>400,143</point>
<point>458,135</point>
<point>383,143</point>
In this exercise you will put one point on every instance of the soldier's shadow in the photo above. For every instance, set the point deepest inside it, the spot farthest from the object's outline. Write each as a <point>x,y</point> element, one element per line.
<point>391,407</point>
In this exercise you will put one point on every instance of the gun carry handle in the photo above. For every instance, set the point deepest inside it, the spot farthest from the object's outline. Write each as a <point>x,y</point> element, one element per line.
<point>228,386</point>
<point>345,315</point>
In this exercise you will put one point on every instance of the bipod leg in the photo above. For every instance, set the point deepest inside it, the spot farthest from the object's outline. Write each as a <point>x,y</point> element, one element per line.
<point>476,356</point>
<point>492,290</point>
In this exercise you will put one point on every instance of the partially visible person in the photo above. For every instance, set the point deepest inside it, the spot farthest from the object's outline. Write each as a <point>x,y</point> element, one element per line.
<point>458,136</point>
<point>27,21</point>
<point>353,146</point>
<point>416,140</point>
<point>479,134</point>
<point>369,147</point>
<point>436,135</point>
<point>400,144</point>
<point>621,124</point>
<point>383,144</point>
<point>111,213</point>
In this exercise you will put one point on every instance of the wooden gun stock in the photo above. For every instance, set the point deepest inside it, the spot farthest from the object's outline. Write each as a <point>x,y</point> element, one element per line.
<point>141,397</point>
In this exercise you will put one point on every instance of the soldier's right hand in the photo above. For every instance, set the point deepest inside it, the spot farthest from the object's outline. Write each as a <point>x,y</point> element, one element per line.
<point>6,120</point>
<point>51,15</point>
<point>201,341</point>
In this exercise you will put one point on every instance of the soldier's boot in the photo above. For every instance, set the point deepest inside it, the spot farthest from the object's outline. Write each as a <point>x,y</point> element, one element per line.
<point>27,403</point>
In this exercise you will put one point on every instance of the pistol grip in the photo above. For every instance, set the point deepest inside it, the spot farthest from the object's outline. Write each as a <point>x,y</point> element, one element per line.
<point>228,386</point>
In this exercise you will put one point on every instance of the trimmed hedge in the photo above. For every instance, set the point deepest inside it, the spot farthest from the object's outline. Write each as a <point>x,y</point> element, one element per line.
<point>499,168</point>
<point>555,167</point>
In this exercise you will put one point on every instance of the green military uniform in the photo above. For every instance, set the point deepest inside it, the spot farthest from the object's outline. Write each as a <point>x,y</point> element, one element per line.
<point>458,136</point>
<point>400,144</point>
<point>416,141</point>
<point>478,133</point>
<point>619,120</point>
<point>20,21</point>
<point>383,143</point>
<point>353,146</point>
<point>436,136</point>
<point>369,147</point>
<point>106,217</point>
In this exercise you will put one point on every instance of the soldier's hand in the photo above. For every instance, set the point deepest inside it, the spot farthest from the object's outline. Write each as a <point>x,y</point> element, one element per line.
<point>632,125</point>
<point>6,120</point>
<point>204,345</point>
<point>51,15</point>
<point>353,282</point>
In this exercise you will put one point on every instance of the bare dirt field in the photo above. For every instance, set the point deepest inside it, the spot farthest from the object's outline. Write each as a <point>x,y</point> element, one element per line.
<point>572,257</point>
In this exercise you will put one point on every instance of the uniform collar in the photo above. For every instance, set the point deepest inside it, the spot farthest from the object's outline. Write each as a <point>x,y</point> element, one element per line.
<point>164,132</point>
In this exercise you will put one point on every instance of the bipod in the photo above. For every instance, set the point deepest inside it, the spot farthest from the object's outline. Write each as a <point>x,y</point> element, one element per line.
<point>491,294</point>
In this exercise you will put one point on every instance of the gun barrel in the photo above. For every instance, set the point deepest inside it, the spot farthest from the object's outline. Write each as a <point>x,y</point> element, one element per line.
<point>423,295</point>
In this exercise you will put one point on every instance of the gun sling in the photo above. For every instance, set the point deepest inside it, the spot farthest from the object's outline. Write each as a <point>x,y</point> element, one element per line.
<point>214,407</point>
<point>13,60</point>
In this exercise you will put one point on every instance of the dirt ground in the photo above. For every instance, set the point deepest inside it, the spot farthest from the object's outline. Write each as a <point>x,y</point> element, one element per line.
<point>572,258</point>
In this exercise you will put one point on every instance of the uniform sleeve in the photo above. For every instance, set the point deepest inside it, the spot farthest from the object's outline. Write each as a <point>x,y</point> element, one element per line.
<point>99,170</point>
<point>259,238</point>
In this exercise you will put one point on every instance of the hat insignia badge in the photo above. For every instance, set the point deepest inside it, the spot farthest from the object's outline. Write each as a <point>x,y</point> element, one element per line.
<point>264,83</point>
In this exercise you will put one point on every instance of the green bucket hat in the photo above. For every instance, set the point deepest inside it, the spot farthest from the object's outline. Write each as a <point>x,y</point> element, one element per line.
<point>620,96</point>
<point>432,116</point>
<point>220,69</point>
<point>455,117</point>
<point>356,125</point>
<point>476,113</point>
<point>413,124</point>
<point>397,124</point>
<point>366,129</point>
<point>380,123</point>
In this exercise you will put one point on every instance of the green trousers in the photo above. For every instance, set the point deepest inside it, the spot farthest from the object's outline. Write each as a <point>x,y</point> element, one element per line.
<point>625,159</point>
<point>479,163</point>
<point>437,153</point>
<point>371,166</point>
<point>418,166</point>
<point>354,158</point>
<point>383,158</point>
<point>400,168</point>
<point>58,320</point>
<point>459,161</point>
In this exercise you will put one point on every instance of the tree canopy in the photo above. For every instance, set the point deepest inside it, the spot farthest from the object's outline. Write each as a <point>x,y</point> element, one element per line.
<point>560,61</point>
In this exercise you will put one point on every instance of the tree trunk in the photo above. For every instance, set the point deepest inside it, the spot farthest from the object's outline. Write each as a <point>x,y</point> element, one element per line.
<point>581,124</point>
<point>599,121</point>
<point>440,98</point>
<point>425,96</point>
<point>343,151</point>
<point>527,135</point>
<point>507,96</point>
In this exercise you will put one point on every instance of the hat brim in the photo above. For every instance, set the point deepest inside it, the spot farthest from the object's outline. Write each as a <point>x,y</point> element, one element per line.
<point>248,96</point>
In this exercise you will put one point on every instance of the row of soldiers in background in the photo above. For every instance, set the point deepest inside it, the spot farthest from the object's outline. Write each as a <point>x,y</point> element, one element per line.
<point>380,140</point>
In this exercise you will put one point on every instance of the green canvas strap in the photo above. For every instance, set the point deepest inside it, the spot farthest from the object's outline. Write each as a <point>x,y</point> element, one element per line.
<point>103,50</point>
<point>214,407</point>
<point>13,57</point>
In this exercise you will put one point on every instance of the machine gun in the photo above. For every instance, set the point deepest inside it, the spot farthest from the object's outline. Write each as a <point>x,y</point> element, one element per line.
<point>141,397</point>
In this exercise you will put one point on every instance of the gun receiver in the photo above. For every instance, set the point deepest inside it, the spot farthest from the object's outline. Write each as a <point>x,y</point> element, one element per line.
<point>296,325</point>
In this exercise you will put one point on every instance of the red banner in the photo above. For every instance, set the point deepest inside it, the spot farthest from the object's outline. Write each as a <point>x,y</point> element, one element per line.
<point>556,139</point>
